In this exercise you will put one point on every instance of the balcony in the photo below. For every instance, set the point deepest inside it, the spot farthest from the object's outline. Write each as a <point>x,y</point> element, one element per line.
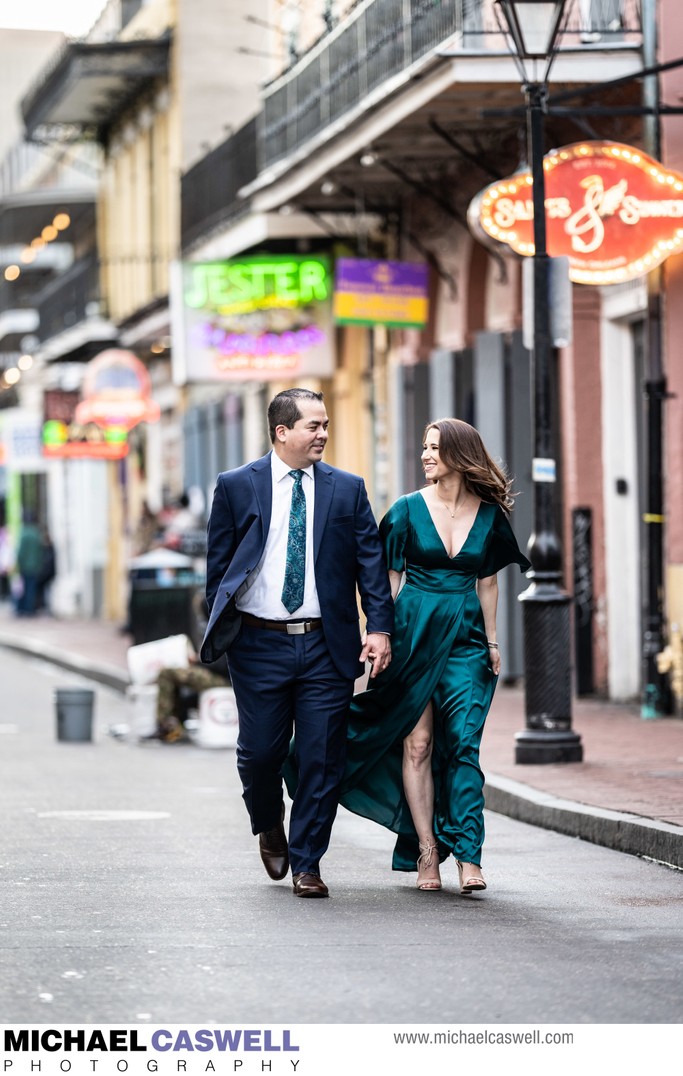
<point>209,189</point>
<point>87,86</point>
<point>71,324</point>
<point>24,214</point>
<point>383,44</point>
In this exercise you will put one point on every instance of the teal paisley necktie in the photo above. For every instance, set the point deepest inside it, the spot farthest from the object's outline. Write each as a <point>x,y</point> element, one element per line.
<point>295,567</point>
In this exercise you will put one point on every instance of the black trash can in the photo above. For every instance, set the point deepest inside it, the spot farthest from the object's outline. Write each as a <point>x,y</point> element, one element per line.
<point>156,612</point>
<point>162,587</point>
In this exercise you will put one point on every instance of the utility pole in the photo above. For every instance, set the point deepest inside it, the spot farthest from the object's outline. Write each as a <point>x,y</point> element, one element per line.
<point>655,694</point>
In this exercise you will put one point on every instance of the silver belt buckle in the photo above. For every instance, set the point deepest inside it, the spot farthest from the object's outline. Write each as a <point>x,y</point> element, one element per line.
<point>297,629</point>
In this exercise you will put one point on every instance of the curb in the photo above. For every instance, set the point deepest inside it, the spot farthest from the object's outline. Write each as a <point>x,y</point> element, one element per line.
<point>109,675</point>
<point>630,833</point>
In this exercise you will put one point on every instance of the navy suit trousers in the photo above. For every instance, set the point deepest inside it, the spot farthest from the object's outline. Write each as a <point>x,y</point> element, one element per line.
<point>285,683</point>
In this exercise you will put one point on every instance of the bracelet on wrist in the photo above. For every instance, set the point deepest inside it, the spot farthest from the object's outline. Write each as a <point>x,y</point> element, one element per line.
<point>494,646</point>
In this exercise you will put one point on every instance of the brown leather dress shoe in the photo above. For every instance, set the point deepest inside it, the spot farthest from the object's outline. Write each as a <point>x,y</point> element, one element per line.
<point>309,885</point>
<point>274,850</point>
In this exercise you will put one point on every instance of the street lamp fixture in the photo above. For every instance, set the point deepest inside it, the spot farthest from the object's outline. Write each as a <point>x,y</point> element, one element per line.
<point>534,27</point>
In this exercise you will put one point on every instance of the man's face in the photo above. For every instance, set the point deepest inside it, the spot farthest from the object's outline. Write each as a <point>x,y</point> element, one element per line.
<point>305,442</point>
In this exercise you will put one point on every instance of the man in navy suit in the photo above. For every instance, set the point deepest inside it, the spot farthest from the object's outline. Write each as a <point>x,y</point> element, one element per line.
<point>289,541</point>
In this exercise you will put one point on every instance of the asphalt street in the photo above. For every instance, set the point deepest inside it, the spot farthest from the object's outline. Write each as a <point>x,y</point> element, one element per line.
<point>131,891</point>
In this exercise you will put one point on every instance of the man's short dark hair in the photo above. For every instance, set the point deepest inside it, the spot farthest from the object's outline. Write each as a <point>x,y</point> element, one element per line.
<point>283,409</point>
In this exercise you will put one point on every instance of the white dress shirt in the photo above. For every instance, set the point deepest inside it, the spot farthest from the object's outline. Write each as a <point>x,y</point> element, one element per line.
<point>262,596</point>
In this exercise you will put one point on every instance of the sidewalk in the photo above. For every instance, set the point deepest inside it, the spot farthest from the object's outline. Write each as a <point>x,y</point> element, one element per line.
<point>626,795</point>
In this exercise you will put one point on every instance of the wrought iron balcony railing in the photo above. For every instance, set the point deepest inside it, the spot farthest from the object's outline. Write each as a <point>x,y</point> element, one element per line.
<point>72,297</point>
<point>17,294</point>
<point>381,39</point>
<point>209,189</point>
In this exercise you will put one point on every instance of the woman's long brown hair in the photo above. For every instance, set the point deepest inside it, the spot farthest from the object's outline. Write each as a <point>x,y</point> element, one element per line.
<point>462,449</point>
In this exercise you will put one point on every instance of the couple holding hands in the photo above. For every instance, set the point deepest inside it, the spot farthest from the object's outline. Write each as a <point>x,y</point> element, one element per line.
<point>290,542</point>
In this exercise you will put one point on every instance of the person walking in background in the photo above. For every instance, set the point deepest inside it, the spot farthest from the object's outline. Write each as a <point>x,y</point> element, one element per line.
<point>6,557</point>
<point>48,571</point>
<point>414,735</point>
<point>147,531</point>
<point>182,521</point>
<point>29,565</point>
<point>289,540</point>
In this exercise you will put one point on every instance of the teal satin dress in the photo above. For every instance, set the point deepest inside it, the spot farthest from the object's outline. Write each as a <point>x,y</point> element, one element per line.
<point>439,652</point>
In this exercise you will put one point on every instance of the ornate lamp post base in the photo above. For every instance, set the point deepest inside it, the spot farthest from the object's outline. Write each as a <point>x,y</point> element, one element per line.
<point>535,746</point>
<point>548,736</point>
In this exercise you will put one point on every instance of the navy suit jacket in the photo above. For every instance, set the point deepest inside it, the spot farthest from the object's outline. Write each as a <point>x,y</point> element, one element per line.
<point>347,553</point>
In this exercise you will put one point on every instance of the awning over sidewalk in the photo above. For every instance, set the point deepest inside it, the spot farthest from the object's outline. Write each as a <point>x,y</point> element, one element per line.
<point>89,84</point>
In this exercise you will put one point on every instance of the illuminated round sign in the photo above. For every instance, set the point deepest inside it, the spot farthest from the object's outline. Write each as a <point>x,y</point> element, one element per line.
<point>612,210</point>
<point>117,392</point>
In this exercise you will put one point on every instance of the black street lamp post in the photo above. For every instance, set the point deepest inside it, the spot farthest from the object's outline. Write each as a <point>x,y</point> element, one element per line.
<point>534,26</point>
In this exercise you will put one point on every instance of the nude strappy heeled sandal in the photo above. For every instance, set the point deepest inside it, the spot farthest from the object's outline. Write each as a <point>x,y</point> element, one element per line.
<point>469,883</point>
<point>427,885</point>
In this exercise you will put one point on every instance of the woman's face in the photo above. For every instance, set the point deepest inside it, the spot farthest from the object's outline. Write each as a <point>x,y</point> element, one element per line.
<point>432,464</point>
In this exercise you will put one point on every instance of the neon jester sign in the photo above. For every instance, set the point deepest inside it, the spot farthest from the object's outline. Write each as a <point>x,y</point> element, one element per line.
<point>257,284</point>
<point>258,318</point>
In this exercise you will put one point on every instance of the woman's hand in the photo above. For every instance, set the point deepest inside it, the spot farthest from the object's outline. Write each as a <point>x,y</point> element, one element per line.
<point>487,589</point>
<point>494,655</point>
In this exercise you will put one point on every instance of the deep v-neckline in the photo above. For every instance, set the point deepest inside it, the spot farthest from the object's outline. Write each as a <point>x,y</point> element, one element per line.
<point>436,529</point>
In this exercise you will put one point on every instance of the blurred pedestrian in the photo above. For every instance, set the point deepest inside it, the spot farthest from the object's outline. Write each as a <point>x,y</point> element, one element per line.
<point>414,735</point>
<point>6,559</point>
<point>289,540</point>
<point>147,531</point>
<point>29,565</point>
<point>182,521</point>
<point>48,570</point>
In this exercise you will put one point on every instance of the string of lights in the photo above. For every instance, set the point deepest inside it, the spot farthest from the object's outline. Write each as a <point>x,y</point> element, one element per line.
<point>29,254</point>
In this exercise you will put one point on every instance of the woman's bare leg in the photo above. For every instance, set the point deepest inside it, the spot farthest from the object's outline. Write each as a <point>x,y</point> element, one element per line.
<point>418,785</point>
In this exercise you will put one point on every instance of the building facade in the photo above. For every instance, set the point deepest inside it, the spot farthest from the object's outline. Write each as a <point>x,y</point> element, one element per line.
<point>366,130</point>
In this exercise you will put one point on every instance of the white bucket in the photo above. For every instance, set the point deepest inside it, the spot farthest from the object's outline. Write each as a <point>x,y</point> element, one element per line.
<point>217,724</point>
<point>142,708</point>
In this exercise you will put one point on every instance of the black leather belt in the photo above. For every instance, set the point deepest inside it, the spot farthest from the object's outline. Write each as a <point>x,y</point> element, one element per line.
<point>292,627</point>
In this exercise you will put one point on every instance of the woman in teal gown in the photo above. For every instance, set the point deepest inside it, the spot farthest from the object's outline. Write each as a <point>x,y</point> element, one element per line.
<point>414,735</point>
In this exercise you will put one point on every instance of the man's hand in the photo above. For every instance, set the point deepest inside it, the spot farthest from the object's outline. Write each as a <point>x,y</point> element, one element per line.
<point>376,650</point>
